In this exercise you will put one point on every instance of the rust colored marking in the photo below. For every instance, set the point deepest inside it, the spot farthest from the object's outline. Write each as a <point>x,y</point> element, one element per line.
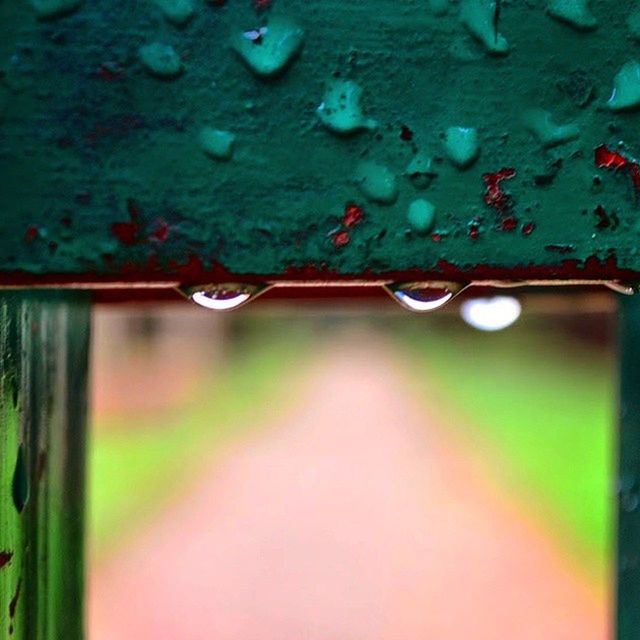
<point>128,233</point>
<point>341,239</point>
<point>494,195</point>
<point>406,133</point>
<point>509,224</point>
<point>5,558</point>
<point>31,234</point>
<point>353,215</point>
<point>162,232</point>
<point>607,159</point>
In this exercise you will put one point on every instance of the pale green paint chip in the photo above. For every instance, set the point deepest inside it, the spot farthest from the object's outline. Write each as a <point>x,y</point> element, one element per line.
<point>161,60</point>
<point>547,131</point>
<point>268,50</point>
<point>217,144</point>
<point>626,88</point>
<point>462,146</point>
<point>340,110</point>
<point>421,215</point>
<point>377,182</point>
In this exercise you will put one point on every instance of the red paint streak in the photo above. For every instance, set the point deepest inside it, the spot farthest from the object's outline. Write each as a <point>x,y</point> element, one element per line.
<point>5,558</point>
<point>162,232</point>
<point>436,237</point>
<point>31,233</point>
<point>494,195</point>
<point>127,233</point>
<point>528,228</point>
<point>607,159</point>
<point>341,239</point>
<point>406,134</point>
<point>14,601</point>
<point>509,224</point>
<point>191,270</point>
<point>353,215</point>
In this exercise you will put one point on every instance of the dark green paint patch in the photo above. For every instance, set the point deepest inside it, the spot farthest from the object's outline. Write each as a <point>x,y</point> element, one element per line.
<point>20,483</point>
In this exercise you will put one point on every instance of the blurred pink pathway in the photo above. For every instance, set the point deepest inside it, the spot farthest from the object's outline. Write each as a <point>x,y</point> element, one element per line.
<point>356,517</point>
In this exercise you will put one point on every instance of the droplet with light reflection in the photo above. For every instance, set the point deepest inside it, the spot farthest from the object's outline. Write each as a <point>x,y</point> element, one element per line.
<point>224,297</point>
<point>620,287</point>
<point>424,297</point>
<point>491,314</point>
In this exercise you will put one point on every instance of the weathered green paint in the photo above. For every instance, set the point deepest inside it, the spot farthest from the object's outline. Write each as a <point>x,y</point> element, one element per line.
<point>43,391</point>
<point>87,129</point>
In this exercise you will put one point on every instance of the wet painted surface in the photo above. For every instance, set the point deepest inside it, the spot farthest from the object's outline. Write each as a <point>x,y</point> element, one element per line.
<point>43,373</point>
<point>104,173</point>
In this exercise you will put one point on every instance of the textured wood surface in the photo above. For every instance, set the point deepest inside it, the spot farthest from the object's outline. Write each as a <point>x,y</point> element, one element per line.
<point>103,177</point>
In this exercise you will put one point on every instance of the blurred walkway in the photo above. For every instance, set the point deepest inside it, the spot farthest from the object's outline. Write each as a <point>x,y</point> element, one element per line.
<point>356,518</point>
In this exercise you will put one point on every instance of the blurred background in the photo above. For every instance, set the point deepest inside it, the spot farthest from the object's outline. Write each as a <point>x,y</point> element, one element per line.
<point>352,471</point>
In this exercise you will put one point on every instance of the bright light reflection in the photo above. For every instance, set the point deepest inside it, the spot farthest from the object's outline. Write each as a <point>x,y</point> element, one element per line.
<point>491,314</point>
<point>423,300</point>
<point>220,301</point>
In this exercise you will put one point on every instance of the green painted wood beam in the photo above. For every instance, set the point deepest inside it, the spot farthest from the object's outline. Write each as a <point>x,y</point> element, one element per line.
<point>628,481</point>
<point>190,141</point>
<point>43,387</point>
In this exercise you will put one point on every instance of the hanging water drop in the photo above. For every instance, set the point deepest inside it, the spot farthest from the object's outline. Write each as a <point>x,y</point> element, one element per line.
<point>620,287</point>
<point>224,297</point>
<point>424,296</point>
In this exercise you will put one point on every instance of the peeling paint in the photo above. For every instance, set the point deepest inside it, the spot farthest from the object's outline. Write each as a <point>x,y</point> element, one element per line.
<point>88,131</point>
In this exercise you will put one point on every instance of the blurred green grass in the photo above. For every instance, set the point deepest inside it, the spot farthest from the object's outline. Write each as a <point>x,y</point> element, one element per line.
<point>137,465</point>
<point>540,406</point>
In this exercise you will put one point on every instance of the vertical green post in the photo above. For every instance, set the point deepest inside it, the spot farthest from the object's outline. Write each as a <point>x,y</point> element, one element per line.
<point>628,552</point>
<point>44,344</point>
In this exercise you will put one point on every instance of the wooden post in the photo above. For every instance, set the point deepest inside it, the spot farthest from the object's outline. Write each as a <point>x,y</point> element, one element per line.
<point>44,344</point>
<point>628,481</point>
